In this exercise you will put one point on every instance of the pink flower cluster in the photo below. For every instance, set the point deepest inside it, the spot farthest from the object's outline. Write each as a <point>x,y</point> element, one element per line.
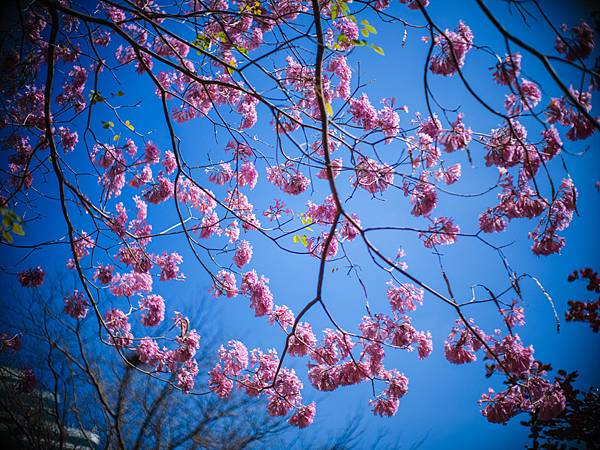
<point>579,44</point>
<point>442,231</point>
<point>454,49</point>
<point>154,310</point>
<point>288,179</point>
<point>33,277</point>
<point>255,287</point>
<point>283,391</point>
<point>365,115</point>
<point>76,305</point>
<point>372,176</point>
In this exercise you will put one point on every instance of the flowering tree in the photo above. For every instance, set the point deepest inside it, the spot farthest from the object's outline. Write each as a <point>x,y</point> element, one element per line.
<point>275,88</point>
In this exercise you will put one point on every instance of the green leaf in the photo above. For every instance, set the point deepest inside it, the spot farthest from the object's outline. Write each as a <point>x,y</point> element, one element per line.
<point>309,229</point>
<point>7,237</point>
<point>18,229</point>
<point>364,32</point>
<point>120,93</point>
<point>116,137</point>
<point>129,125</point>
<point>378,49</point>
<point>334,11</point>
<point>304,240</point>
<point>359,42</point>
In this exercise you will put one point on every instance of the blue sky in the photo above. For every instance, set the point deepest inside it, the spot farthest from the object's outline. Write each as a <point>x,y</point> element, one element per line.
<point>440,410</point>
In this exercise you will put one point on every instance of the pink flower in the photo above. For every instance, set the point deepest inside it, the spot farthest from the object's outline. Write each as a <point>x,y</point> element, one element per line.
<point>363,113</point>
<point>422,196</point>
<point>461,345</point>
<point>68,138</point>
<point>302,341</point>
<point>508,69</point>
<point>76,305</point>
<point>502,407</point>
<point>385,406</point>
<point>415,4</point>
<point>453,50</point>
<point>261,299</point>
<point>529,95</point>
<point>129,284</point>
<point>234,359</point>
<point>457,138</point>
<point>516,358</point>
<point>232,232</point>
<point>324,213</point>
<point>188,346</point>
<point>579,44</point>
<point>491,221</point>
<point>151,153</point>
<point>154,310</point>
<point>283,316</point>
<point>243,254</point>
<point>548,400</point>
<point>219,383</point>
<point>425,345</point>
<point>169,266</point>
<point>450,175</point>
<point>404,297</point>
<point>119,327</point>
<point>160,191</point>
<point>389,121</point>
<point>225,284</point>
<point>348,231</point>
<point>148,352</point>
<point>372,176</point>
<point>169,162</point>
<point>185,376</point>
<point>316,245</point>
<point>248,175</point>
<point>441,232</point>
<point>338,65</point>
<point>349,30</point>
<point>33,277</point>
<point>336,169</point>
<point>303,416</point>
<point>288,179</point>
<point>209,225</point>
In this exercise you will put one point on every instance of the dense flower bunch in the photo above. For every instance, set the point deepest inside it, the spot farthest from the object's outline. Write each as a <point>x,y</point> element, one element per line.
<point>586,311</point>
<point>33,277</point>
<point>118,189</point>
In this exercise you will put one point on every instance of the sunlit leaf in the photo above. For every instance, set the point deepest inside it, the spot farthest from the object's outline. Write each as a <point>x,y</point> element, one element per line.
<point>377,49</point>
<point>18,229</point>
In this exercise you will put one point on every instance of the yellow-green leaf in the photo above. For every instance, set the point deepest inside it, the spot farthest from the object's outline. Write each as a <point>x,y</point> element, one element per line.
<point>377,49</point>
<point>296,239</point>
<point>18,229</point>
<point>7,237</point>
<point>329,109</point>
<point>129,125</point>
<point>116,137</point>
